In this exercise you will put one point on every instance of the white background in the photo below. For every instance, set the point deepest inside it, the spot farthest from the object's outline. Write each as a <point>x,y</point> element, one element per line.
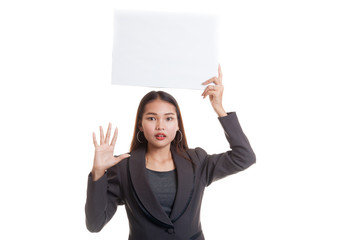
<point>290,72</point>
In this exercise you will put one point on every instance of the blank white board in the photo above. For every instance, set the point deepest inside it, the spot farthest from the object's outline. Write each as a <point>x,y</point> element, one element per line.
<point>167,50</point>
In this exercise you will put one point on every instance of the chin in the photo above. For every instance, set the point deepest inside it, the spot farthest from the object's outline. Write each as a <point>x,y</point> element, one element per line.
<point>159,144</point>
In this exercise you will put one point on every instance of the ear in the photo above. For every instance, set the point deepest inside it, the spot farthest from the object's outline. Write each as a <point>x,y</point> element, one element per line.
<point>140,127</point>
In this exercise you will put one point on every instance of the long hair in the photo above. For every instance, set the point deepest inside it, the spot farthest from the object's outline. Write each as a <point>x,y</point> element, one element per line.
<point>179,143</point>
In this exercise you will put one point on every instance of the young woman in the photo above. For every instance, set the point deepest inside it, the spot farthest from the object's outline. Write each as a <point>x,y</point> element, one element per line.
<point>161,181</point>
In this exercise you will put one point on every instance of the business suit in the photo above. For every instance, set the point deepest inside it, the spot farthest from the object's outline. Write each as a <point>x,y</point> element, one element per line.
<point>126,184</point>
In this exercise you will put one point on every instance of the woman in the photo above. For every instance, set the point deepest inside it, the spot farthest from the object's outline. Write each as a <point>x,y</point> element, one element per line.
<point>161,181</point>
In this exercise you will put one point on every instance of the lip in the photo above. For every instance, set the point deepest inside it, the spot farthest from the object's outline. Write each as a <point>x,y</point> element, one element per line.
<point>160,136</point>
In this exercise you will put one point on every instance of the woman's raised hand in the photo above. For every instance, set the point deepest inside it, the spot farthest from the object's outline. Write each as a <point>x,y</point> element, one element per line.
<point>215,93</point>
<point>104,153</point>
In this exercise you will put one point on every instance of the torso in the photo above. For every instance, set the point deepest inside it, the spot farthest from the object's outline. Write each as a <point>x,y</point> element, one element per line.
<point>163,184</point>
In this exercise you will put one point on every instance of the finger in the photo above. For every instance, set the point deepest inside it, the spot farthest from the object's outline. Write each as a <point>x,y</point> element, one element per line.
<point>210,92</point>
<point>113,141</point>
<point>214,80</point>
<point>210,88</point>
<point>94,140</point>
<point>215,91</point>
<point>204,94</point>
<point>101,135</point>
<point>220,74</point>
<point>211,80</point>
<point>108,132</point>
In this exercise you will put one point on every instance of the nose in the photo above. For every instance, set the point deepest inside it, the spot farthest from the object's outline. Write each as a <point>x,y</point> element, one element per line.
<point>159,125</point>
<point>160,128</point>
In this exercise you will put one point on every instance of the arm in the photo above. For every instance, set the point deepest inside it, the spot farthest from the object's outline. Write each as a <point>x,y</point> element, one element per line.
<point>103,196</point>
<point>241,155</point>
<point>103,192</point>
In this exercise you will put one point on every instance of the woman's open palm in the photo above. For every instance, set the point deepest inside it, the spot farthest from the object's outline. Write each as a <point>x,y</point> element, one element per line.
<point>104,153</point>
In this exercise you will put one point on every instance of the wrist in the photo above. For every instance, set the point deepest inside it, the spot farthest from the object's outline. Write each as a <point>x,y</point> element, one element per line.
<point>222,114</point>
<point>96,174</point>
<point>220,111</point>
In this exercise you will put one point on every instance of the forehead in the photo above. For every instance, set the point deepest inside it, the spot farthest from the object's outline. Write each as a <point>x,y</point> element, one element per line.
<point>159,106</point>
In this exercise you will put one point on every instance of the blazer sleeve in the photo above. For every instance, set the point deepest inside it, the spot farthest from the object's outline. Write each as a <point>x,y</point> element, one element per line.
<point>240,157</point>
<point>103,196</point>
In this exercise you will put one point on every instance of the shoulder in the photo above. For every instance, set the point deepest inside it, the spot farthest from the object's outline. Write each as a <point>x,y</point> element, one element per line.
<point>197,155</point>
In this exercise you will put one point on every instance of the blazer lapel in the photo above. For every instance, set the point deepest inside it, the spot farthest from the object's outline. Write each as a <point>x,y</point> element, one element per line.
<point>185,185</point>
<point>142,187</point>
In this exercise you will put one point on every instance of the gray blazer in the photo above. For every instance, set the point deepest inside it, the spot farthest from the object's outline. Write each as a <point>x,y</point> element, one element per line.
<point>126,184</point>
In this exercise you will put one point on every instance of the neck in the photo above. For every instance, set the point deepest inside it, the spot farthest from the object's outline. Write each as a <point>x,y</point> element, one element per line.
<point>159,159</point>
<point>160,154</point>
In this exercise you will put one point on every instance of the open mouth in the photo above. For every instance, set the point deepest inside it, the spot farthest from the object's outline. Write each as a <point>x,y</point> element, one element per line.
<point>160,136</point>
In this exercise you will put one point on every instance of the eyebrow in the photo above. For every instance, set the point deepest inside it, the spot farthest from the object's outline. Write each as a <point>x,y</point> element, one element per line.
<point>152,113</point>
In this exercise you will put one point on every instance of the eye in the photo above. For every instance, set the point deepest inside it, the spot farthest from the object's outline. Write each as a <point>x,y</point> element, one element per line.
<point>151,118</point>
<point>169,118</point>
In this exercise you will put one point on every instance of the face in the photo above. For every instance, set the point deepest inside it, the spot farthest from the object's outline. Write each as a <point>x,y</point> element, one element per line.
<point>159,123</point>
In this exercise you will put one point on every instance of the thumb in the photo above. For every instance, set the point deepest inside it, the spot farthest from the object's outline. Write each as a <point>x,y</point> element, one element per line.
<point>121,157</point>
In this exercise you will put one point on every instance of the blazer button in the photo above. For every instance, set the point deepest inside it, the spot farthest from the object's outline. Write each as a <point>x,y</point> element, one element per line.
<point>170,231</point>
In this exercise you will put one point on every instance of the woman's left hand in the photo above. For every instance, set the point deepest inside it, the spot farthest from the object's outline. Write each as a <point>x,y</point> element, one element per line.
<point>215,93</point>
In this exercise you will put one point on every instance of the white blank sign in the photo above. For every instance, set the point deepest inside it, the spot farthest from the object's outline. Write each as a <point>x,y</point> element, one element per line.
<point>169,50</point>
